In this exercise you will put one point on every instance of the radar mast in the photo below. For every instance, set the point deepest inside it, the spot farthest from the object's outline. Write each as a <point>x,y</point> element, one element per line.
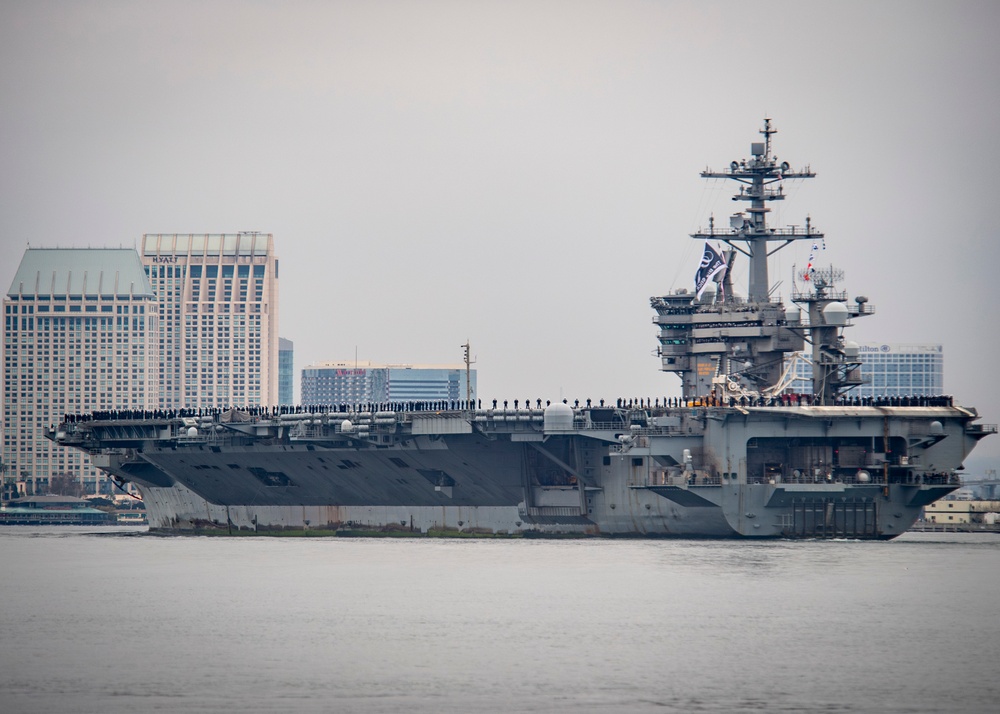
<point>749,233</point>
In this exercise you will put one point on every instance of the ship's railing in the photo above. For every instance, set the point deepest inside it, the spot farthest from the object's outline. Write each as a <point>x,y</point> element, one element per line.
<point>205,429</point>
<point>664,478</point>
<point>113,431</point>
<point>510,416</point>
<point>980,429</point>
<point>860,308</point>
<point>666,306</point>
<point>641,431</point>
<point>872,477</point>
<point>800,295</point>
<point>704,480</point>
<point>563,511</point>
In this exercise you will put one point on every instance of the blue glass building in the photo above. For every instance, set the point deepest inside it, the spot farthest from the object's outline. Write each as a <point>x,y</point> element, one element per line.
<point>890,370</point>
<point>354,382</point>
<point>286,371</point>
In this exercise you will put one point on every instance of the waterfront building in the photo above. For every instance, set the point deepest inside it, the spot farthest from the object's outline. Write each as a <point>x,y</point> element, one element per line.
<point>218,309</point>
<point>358,382</point>
<point>80,328</point>
<point>286,371</point>
<point>956,512</point>
<point>890,370</point>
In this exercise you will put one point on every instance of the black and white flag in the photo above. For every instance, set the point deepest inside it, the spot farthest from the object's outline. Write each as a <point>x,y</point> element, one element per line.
<point>712,267</point>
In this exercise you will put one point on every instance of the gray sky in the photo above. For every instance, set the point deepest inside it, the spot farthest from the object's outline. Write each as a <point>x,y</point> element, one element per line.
<point>520,174</point>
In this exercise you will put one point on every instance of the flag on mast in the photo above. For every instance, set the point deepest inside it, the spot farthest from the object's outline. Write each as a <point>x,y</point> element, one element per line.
<point>712,267</point>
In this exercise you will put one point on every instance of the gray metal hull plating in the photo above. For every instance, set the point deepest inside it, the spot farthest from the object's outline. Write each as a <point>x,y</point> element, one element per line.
<point>806,472</point>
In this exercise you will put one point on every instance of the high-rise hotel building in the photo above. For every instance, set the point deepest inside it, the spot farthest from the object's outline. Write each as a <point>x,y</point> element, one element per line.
<point>218,310</point>
<point>890,370</point>
<point>79,335</point>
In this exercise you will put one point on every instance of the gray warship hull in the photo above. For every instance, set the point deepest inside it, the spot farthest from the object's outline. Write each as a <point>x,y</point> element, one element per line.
<point>711,471</point>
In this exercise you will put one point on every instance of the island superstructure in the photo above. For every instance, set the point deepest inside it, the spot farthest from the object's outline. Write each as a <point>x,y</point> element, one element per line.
<point>736,455</point>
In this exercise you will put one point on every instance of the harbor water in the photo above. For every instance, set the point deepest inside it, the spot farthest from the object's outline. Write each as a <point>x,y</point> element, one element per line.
<point>121,621</point>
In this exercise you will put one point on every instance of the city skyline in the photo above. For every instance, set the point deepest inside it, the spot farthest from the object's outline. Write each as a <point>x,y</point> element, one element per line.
<point>524,177</point>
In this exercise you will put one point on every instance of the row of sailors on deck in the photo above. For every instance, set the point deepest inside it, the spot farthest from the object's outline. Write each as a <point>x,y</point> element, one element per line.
<point>944,400</point>
<point>344,408</point>
<point>269,412</point>
<point>804,400</point>
<point>784,400</point>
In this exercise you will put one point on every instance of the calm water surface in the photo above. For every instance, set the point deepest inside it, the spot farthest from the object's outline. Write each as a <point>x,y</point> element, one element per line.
<point>126,622</point>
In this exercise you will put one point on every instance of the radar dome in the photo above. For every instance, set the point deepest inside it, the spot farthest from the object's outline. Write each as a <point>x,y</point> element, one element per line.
<point>793,315</point>
<point>851,349</point>
<point>835,314</point>
<point>192,432</point>
<point>346,426</point>
<point>558,417</point>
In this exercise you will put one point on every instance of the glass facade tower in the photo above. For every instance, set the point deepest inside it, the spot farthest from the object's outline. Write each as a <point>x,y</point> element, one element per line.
<point>286,371</point>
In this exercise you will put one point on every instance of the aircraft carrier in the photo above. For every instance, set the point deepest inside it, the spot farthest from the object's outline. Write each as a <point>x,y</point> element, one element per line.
<point>743,452</point>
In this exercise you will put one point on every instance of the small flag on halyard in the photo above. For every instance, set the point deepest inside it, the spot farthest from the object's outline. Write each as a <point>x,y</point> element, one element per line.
<point>712,267</point>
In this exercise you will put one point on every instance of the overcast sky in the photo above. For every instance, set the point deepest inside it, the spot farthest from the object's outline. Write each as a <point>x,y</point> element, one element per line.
<point>520,174</point>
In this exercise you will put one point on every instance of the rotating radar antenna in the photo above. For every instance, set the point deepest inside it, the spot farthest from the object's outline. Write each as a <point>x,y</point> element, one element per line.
<point>821,277</point>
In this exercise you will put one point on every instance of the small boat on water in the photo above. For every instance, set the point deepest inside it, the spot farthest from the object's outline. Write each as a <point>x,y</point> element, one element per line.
<point>53,511</point>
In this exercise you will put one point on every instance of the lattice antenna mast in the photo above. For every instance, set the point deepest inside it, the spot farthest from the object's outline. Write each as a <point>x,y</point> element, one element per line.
<point>749,232</point>
<point>467,358</point>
